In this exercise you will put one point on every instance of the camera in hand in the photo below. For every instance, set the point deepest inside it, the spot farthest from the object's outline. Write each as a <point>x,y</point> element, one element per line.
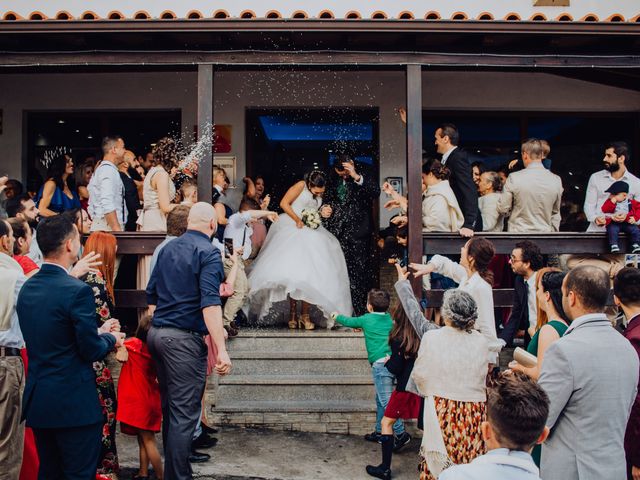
<point>228,247</point>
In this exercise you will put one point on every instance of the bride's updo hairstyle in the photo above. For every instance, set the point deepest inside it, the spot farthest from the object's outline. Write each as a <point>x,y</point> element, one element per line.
<point>436,168</point>
<point>165,154</point>
<point>316,182</point>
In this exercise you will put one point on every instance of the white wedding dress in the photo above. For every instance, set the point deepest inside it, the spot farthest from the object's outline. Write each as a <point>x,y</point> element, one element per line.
<point>301,263</point>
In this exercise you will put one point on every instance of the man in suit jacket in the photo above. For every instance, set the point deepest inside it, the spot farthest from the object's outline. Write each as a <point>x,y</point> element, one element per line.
<point>591,378</point>
<point>626,295</point>
<point>526,259</point>
<point>461,180</point>
<point>60,400</point>
<point>350,193</point>
<point>532,197</point>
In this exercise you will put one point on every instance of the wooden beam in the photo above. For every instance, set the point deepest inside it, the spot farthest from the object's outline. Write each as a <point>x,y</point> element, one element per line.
<point>205,126</point>
<point>414,164</point>
<point>504,242</point>
<point>266,59</point>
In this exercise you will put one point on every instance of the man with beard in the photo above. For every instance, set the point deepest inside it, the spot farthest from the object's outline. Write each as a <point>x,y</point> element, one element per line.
<point>22,206</point>
<point>616,155</point>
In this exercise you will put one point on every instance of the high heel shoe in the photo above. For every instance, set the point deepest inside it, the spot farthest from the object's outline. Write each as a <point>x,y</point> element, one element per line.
<point>293,320</point>
<point>305,321</point>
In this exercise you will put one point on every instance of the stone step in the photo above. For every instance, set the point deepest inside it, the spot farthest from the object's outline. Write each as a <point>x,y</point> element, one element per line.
<point>296,407</point>
<point>247,362</point>
<point>297,340</point>
<point>292,388</point>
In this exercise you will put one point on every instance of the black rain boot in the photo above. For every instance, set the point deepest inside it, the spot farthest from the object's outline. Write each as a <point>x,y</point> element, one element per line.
<point>383,470</point>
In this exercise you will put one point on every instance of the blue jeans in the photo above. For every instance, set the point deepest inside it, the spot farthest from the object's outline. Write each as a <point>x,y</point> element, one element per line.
<point>614,228</point>
<point>383,382</point>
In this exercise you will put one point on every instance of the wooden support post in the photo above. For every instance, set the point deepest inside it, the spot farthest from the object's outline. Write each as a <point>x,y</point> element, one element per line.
<point>205,125</point>
<point>414,164</point>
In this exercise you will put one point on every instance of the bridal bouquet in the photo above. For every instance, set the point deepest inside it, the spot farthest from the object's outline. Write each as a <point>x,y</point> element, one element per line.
<point>311,218</point>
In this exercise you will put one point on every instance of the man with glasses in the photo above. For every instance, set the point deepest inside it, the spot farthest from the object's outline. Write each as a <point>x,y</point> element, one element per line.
<point>525,261</point>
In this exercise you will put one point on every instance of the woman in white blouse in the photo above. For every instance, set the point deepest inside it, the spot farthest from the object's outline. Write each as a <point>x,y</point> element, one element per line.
<point>473,276</point>
<point>440,209</point>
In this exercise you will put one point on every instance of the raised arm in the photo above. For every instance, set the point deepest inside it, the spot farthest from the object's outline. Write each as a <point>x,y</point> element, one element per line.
<point>448,268</point>
<point>289,198</point>
<point>411,305</point>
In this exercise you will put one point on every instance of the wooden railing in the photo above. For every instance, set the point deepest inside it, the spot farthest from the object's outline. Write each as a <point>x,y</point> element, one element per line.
<point>144,243</point>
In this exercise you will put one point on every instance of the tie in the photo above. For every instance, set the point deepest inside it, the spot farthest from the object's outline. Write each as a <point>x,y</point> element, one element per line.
<point>342,191</point>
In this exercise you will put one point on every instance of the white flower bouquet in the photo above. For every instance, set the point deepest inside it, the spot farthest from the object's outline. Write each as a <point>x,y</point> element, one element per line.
<point>311,218</point>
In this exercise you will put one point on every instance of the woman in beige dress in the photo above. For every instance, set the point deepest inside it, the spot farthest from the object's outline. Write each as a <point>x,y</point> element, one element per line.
<point>158,192</point>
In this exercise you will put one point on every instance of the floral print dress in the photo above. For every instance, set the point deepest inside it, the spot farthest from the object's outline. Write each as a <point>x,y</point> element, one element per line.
<point>108,463</point>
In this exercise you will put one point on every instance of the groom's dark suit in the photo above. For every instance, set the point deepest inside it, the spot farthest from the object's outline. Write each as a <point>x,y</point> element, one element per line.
<point>352,223</point>
<point>58,321</point>
<point>465,190</point>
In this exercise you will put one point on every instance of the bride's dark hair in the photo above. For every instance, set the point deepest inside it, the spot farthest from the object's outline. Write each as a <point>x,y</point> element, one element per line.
<point>315,178</point>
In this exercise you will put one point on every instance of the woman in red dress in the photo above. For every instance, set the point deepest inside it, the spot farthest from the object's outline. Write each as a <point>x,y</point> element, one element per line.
<point>139,411</point>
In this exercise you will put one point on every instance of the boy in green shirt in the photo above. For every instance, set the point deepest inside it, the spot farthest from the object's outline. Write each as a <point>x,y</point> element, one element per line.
<point>376,326</point>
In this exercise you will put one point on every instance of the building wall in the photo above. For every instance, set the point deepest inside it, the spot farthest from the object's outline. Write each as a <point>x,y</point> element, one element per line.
<point>235,91</point>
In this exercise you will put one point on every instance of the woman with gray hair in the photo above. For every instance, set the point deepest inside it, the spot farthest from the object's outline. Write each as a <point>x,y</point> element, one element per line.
<point>450,372</point>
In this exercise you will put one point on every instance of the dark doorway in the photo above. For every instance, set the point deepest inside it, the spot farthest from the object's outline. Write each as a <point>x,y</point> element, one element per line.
<point>283,144</point>
<point>81,132</point>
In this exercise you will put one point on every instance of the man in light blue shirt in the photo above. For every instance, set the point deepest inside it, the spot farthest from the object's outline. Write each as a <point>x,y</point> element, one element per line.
<point>517,410</point>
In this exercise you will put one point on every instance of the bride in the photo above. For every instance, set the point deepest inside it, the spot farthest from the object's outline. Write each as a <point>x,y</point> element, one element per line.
<point>301,263</point>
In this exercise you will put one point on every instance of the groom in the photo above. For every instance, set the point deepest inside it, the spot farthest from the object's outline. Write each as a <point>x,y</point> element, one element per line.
<point>349,216</point>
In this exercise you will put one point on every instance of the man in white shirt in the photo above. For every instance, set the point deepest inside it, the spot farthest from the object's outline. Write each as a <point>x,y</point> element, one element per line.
<point>106,191</point>
<point>526,259</point>
<point>11,368</point>
<point>238,231</point>
<point>532,197</point>
<point>517,409</point>
<point>616,155</point>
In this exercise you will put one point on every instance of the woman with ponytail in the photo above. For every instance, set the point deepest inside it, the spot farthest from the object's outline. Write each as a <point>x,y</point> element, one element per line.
<point>473,276</point>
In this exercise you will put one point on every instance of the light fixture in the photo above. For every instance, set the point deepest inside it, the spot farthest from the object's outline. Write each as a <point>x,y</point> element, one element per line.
<point>61,121</point>
<point>77,131</point>
<point>90,137</point>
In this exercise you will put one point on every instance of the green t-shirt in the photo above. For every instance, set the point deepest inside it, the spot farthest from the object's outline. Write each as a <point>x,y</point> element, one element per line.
<point>376,328</point>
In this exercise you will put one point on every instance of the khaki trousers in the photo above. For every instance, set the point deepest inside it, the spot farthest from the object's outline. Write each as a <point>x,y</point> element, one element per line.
<point>240,291</point>
<point>11,426</point>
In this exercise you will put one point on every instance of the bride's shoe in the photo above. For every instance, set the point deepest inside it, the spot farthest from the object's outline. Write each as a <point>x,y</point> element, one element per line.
<point>293,320</point>
<point>305,321</point>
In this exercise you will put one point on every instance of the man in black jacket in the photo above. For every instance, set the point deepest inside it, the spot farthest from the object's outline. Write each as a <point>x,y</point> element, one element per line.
<point>461,180</point>
<point>525,260</point>
<point>350,194</point>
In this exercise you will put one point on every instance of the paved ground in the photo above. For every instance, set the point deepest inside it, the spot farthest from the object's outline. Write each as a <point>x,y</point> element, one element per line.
<point>251,454</point>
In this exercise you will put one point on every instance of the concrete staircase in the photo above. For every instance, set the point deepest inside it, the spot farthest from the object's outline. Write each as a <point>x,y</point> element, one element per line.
<point>318,381</point>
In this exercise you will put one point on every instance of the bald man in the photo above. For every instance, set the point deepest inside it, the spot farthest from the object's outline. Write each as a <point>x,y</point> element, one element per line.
<point>184,292</point>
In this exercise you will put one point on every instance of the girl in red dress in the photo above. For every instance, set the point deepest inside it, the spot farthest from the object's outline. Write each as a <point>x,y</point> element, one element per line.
<point>139,411</point>
<point>405,343</point>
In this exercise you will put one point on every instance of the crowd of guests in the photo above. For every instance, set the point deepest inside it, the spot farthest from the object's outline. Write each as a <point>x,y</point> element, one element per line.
<point>565,416</point>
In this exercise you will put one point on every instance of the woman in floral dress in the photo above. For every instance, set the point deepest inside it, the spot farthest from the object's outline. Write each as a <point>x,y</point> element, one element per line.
<point>102,283</point>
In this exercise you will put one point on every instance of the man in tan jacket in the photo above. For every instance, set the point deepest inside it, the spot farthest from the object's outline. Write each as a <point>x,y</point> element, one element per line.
<point>531,197</point>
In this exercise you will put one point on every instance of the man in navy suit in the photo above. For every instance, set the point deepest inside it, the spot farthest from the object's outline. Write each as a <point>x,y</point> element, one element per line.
<point>57,318</point>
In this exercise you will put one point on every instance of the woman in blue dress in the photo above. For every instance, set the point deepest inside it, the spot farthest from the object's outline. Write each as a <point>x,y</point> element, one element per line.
<point>58,193</point>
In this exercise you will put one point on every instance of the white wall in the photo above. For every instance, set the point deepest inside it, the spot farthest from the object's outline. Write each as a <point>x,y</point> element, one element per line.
<point>235,91</point>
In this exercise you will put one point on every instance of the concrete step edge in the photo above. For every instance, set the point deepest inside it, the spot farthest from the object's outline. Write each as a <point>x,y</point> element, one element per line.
<point>295,355</point>
<point>319,333</point>
<point>295,407</point>
<point>296,380</point>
